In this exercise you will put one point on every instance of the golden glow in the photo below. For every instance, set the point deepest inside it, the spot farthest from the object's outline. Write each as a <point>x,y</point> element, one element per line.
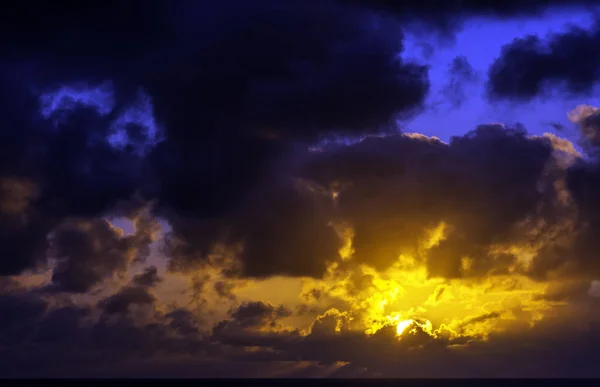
<point>405,296</point>
<point>355,297</point>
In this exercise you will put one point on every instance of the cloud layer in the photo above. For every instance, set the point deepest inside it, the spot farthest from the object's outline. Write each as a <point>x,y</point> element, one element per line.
<point>276,214</point>
<point>531,66</point>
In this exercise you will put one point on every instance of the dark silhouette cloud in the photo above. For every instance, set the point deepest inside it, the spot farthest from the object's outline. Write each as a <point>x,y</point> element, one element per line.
<point>448,16</point>
<point>56,173</point>
<point>137,292</point>
<point>183,322</point>
<point>121,301</point>
<point>257,313</point>
<point>23,231</point>
<point>148,278</point>
<point>20,313</point>
<point>222,95</point>
<point>471,7</point>
<point>531,65</point>
<point>250,225</point>
<point>89,251</point>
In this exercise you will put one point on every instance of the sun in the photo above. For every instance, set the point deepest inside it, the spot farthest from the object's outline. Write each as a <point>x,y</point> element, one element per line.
<point>402,326</point>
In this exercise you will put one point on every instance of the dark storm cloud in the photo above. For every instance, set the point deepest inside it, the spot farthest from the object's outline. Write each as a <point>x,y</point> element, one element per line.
<point>230,85</point>
<point>582,182</point>
<point>530,66</point>
<point>518,356</point>
<point>470,7</point>
<point>447,16</point>
<point>568,291</point>
<point>148,278</point>
<point>245,322</point>
<point>137,292</point>
<point>253,314</point>
<point>283,229</point>
<point>89,251</point>
<point>183,322</point>
<point>281,219</point>
<point>21,312</point>
<point>23,232</point>
<point>120,302</point>
<point>58,168</point>
<point>40,332</point>
<point>480,184</point>
<point>495,189</point>
<point>292,72</point>
<point>51,173</point>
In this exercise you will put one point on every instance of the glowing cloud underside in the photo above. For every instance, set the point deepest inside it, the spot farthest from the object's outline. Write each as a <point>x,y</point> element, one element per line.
<point>407,298</point>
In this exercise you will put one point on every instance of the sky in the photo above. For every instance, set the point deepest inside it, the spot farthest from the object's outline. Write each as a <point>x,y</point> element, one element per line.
<point>480,42</point>
<point>340,188</point>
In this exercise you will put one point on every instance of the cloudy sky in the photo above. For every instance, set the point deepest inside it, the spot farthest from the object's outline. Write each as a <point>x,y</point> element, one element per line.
<point>340,188</point>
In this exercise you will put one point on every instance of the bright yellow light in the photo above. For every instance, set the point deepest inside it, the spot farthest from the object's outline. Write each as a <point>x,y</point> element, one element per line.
<point>402,326</point>
<point>406,297</point>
